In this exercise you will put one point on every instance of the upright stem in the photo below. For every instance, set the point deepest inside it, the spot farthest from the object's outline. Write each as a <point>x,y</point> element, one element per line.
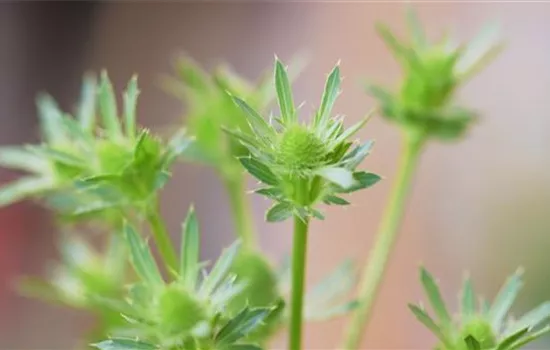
<point>162,239</point>
<point>385,241</point>
<point>299,250</point>
<point>241,210</point>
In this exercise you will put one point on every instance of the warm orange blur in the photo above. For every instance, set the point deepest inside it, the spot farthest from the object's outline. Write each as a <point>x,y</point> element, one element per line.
<point>479,205</point>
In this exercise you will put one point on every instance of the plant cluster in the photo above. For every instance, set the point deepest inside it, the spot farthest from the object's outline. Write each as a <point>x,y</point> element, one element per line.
<point>99,169</point>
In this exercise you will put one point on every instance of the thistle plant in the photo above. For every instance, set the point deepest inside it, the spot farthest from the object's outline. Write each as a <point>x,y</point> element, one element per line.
<point>100,171</point>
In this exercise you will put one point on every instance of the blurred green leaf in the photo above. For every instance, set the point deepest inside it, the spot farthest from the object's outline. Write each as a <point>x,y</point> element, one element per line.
<point>124,344</point>
<point>108,107</point>
<point>434,296</point>
<point>259,170</point>
<point>504,300</point>
<point>279,212</point>
<point>141,258</point>
<point>130,101</point>
<point>190,250</point>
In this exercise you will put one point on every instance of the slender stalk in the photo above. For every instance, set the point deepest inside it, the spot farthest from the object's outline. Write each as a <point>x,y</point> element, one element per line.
<point>385,241</point>
<point>240,210</point>
<point>162,239</point>
<point>299,252</point>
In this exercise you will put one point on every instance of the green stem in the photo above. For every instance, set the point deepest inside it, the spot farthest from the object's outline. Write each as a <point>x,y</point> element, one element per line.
<point>240,210</point>
<point>299,252</point>
<point>162,239</point>
<point>385,241</point>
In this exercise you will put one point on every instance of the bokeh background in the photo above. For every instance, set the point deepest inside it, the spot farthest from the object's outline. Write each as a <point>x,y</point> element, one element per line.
<point>480,205</point>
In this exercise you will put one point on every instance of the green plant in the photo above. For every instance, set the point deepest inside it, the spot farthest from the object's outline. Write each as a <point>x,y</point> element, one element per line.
<point>101,171</point>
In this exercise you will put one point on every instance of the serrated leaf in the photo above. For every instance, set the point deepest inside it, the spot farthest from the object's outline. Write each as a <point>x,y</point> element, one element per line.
<point>339,176</point>
<point>124,344</point>
<point>472,343</point>
<point>505,344</point>
<point>434,296</point>
<point>130,101</point>
<point>284,93</point>
<point>279,212</point>
<point>141,258</point>
<point>532,318</point>
<point>21,159</point>
<point>241,325</point>
<point>190,250</point>
<point>331,199</point>
<point>330,94</point>
<point>220,269</point>
<point>468,301</point>
<point>86,109</point>
<point>429,323</point>
<point>23,188</point>
<point>504,300</point>
<point>108,107</point>
<point>259,170</point>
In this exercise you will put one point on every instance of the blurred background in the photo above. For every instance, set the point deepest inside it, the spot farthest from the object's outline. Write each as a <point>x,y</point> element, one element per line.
<point>480,205</point>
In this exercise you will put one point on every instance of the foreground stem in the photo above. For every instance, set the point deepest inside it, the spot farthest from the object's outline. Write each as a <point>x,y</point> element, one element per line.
<point>299,251</point>
<point>385,241</point>
<point>162,239</point>
<point>241,211</point>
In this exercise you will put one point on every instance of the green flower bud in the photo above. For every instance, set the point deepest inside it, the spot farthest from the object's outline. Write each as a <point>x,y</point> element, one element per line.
<point>112,156</point>
<point>178,310</point>
<point>481,330</point>
<point>300,150</point>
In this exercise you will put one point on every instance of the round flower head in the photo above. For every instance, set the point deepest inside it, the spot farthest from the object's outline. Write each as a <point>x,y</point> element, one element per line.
<point>298,164</point>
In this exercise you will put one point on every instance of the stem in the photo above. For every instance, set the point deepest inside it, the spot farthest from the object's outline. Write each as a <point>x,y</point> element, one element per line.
<point>240,210</point>
<point>385,241</point>
<point>299,251</point>
<point>162,239</point>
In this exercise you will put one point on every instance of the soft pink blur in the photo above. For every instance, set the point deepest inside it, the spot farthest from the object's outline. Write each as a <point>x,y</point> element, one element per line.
<point>479,205</point>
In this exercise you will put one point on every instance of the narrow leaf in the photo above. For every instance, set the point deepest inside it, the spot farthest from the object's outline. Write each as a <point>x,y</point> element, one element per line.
<point>279,212</point>
<point>259,170</point>
<point>330,199</point>
<point>504,300</point>
<point>330,94</point>
<point>21,159</point>
<point>429,323</point>
<point>141,257</point>
<point>530,338</point>
<point>220,269</point>
<point>241,325</point>
<point>284,93</point>
<point>130,101</point>
<point>256,121</point>
<point>419,38</point>
<point>434,296</point>
<point>350,131</point>
<point>531,319</point>
<point>468,300</point>
<point>56,155</point>
<point>123,344</point>
<point>270,192</point>
<point>513,338</point>
<point>108,107</point>
<point>86,108</point>
<point>50,119</point>
<point>190,250</point>
<point>362,180</point>
<point>472,343</point>
<point>339,176</point>
<point>23,188</point>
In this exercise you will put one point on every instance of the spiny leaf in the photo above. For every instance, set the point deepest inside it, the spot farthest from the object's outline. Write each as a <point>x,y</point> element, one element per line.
<point>434,296</point>
<point>279,212</point>
<point>362,180</point>
<point>427,321</point>
<point>284,93</point>
<point>259,170</point>
<point>190,250</point>
<point>529,338</point>
<point>330,94</point>
<point>57,155</point>
<point>504,300</point>
<point>220,269</point>
<point>256,121</point>
<point>141,257</point>
<point>472,343</point>
<point>108,107</point>
<point>241,325</point>
<point>270,192</point>
<point>339,176</point>
<point>130,102</point>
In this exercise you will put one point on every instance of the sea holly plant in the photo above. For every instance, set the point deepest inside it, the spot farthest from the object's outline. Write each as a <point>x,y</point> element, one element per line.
<point>480,325</point>
<point>301,165</point>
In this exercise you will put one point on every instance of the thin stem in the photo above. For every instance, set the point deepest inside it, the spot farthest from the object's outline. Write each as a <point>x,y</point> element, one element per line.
<point>385,241</point>
<point>299,252</point>
<point>240,210</point>
<point>162,239</point>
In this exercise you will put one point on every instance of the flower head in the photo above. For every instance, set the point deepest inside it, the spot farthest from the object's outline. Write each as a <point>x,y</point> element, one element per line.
<point>299,164</point>
<point>432,74</point>
<point>485,328</point>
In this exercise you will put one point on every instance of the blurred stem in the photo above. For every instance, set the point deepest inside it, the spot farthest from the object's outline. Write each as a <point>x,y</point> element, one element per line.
<point>240,207</point>
<point>162,238</point>
<point>299,252</point>
<point>385,241</point>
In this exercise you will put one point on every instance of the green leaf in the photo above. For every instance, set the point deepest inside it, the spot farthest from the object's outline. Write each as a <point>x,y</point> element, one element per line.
<point>124,344</point>
<point>259,170</point>
<point>504,300</point>
<point>21,159</point>
<point>241,325</point>
<point>58,156</point>
<point>339,176</point>
<point>513,338</point>
<point>50,120</point>
<point>192,75</point>
<point>142,260</point>
<point>472,343</point>
<point>330,94</point>
<point>357,155</point>
<point>434,296</point>
<point>279,212</point>
<point>220,269</point>
<point>256,121</point>
<point>532,318</point>
<point>284,93</point>
<point>362,180</point>
<point>241,347</point>
<point>86,109</point>
<point>349,132</point>
<point>130,101</point>
<point>331,199</point>
<point>270,192</point>
<point>23,188</point>
<point>419,38</point>
<point>190,250</point>
<point>429,323</point>
<point>317,214</point>
<point>108,107</point>
<point>529,338</point>
<point>468,299</point>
